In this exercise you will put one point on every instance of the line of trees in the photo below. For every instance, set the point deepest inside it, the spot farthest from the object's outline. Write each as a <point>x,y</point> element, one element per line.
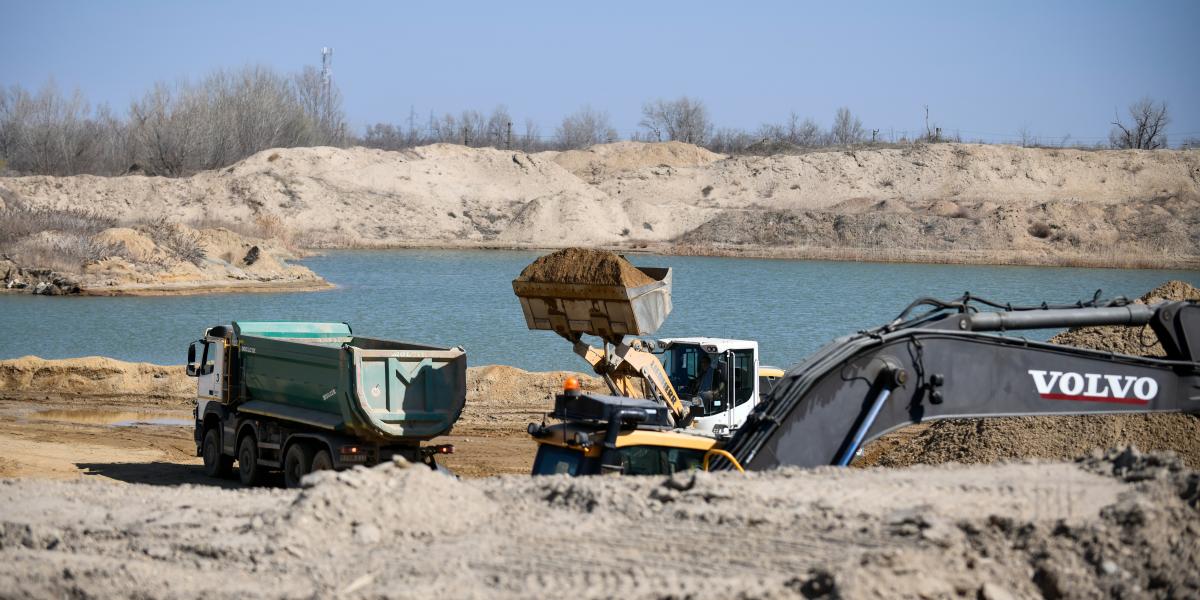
<point>179,129</point>
<point>173,129</point>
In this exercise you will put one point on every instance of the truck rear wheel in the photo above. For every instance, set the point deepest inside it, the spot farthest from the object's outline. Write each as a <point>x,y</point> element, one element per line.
<point>322,461</point>
<point>215,463</point>
<point>248,469</point>
<point>296,464</point>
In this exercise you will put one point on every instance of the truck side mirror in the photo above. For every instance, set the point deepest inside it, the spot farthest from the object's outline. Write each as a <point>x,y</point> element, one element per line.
<point>191,360</point>
<point>202,368</point>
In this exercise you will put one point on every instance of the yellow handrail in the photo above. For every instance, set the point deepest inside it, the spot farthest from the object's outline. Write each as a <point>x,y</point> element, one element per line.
<point>723,454</point>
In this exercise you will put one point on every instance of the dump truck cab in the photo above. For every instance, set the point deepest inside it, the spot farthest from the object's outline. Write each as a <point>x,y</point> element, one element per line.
<point>599,434</point>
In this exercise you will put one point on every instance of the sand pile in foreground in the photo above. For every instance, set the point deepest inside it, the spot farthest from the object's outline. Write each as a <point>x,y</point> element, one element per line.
<point>1114,525</point>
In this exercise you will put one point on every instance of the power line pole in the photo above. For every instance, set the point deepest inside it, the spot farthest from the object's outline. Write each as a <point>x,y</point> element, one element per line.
<point>327,81</point>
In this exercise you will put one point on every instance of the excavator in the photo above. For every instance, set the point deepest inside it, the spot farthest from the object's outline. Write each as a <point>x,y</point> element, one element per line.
<point>961,358</point>
<point>706,384</point>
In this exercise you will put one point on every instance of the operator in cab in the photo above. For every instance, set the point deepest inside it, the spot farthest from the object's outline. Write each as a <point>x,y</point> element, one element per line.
<point>708,384</point>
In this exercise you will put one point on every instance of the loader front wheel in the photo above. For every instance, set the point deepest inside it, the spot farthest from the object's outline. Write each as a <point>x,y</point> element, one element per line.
<point>296,464</point>
<point>248,470</point>
<point>215,463</point>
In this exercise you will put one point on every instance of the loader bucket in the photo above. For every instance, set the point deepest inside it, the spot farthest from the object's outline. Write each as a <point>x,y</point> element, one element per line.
<point>607,311</point>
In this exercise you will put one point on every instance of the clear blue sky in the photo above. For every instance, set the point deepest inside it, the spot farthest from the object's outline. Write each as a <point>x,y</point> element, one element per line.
<point>986,69</point>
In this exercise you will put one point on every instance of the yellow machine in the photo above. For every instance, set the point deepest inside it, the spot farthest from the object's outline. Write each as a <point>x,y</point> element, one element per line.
<point>707,384</point>
<point>615,435</point>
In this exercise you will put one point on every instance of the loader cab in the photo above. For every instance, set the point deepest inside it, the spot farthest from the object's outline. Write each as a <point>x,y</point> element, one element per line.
<point>600,434</point>
<point>639,452</point>
<point>721,378</point>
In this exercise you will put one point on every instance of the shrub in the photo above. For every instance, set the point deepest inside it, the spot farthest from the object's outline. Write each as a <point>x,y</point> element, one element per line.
<point>1040,230</point>
<point>180,242</point>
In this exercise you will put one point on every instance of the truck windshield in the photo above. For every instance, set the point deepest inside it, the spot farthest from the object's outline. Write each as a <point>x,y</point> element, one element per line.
<point>554,460</point>
<point>698,374</point>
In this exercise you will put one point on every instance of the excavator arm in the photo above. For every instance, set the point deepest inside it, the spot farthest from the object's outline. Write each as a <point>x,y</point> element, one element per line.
<point>955,361</point>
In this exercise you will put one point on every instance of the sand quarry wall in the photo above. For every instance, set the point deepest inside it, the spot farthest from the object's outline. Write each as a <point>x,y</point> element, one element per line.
<point>924,197</point>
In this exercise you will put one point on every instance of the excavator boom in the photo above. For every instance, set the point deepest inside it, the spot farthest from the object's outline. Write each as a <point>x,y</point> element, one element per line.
<point>956,361</point>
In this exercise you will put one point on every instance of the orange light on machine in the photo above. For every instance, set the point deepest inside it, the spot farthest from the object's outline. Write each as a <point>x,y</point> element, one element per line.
<point>571,386</point>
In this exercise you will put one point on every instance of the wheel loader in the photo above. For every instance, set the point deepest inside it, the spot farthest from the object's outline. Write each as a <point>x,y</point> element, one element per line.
<point>707,384</point>
<point>964,358</point>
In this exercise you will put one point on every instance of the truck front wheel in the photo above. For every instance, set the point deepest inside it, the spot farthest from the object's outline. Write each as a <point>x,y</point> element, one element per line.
<point>215,463</point>
<point>248,469</point>
<point>296,464</point>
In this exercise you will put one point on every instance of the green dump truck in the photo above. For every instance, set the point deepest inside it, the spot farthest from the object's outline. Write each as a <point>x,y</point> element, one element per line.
<point>300,397</point>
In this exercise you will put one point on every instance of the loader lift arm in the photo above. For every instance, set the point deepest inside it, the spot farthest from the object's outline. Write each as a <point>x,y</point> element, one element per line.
<point>953,361</point>
<point>633,373</point>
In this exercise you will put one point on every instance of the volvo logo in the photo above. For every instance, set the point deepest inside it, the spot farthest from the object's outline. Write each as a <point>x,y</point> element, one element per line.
<point>1094,387</point>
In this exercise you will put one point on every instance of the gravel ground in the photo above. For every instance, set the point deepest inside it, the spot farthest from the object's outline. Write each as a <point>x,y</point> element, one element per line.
<point>1123,524</point>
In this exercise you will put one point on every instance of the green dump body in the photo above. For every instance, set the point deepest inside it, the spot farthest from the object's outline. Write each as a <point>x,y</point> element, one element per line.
<point>321,375</point>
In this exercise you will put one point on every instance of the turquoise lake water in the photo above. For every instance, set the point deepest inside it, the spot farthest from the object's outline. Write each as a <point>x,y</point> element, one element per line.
<point>451,297</point>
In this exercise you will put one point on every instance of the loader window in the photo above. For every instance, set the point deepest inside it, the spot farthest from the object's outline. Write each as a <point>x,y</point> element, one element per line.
<point>696,373</point>
<point>555,460</point>
<point>743,374</point>
<point>658,460</point>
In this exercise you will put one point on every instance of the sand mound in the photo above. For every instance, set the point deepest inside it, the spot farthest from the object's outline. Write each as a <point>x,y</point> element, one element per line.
<point>347,504</point>
<point>33,377</point>
<point>1054,437</point>
<point>632,156</point>
<point>133,243</point>
<point>151,258</point>
<point>584,266</point>
<point>1129,340</point>
<point>980,441</point>
<point>503,399</point>
<point>964,202</point>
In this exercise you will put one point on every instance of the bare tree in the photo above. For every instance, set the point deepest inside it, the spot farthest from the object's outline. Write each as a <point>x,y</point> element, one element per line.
<point>1147,131</point>
<point>584,128</point>
<point>1027,139</point>
<point>683,119</point>
<point>322,102</point>
<point>531,139</point>
<point>847,129</point>
<point>731,141</point>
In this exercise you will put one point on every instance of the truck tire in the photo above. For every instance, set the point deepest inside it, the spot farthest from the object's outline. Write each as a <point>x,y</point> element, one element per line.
<point>215,463</point>
<point>321,461</point>
<point>248,470</point>
<point>296,464</point>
